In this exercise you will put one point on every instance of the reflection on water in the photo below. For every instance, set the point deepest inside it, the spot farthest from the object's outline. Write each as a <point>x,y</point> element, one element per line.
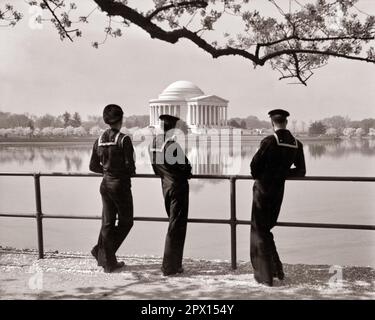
<point>207,157</point>
<point>48,156</point>
<point>317,150</point>
<point>342,148</point>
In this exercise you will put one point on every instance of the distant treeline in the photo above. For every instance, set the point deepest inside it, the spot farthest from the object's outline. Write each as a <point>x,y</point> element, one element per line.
<point>13,120</point>
<point>251,122</point>
<point>67,124</point>
<point>335,125</point>
<point>339,125</point>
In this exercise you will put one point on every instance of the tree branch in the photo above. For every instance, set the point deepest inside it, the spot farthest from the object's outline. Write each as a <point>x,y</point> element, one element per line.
<point>119,9</point>
<point>298,70</point>
<point>309,51</point>
<point>197,4</point>
<point>57,20</point>
<point>316,39</point>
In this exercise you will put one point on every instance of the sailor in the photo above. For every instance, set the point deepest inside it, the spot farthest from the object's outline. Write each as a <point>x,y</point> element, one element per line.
<point>270,166</point>
<point>113,156</point>
<point>170,163</point>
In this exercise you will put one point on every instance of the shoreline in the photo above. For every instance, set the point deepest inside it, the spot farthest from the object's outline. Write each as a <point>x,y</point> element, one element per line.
<point>86,140</point>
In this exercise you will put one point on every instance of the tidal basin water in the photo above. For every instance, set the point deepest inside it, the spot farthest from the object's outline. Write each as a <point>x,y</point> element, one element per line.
<point>330,202</point>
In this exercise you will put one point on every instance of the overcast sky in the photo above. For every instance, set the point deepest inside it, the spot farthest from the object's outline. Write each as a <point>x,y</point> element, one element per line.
<point>40,74</point>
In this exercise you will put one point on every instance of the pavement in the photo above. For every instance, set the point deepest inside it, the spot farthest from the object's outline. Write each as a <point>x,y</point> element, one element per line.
<point>73,275</point>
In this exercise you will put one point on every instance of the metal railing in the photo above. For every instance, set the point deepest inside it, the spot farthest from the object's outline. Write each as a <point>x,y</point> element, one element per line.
<point>232,221</point>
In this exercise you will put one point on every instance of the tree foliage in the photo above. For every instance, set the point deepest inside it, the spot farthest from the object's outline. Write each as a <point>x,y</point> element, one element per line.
<point>340,123</point>
<point>66,120</point>
<point>48,120</point>
<point>233,123</point>
<point>136,121</point>
<point>317,128</point>
<point>71,120</point>
<point>250,122</point>
<point>336,122</point>
<point>9,16</point>
<point>294,37</point>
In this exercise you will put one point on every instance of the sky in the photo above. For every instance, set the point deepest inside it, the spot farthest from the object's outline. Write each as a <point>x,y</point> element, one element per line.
<point>40,74</point>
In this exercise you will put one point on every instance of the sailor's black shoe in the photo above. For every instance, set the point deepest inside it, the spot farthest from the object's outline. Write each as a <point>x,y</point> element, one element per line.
<point>117,266</point>
<point>266,283</point>
<point>279,274</point>
<point>277,269</point>
<point>171,273</point>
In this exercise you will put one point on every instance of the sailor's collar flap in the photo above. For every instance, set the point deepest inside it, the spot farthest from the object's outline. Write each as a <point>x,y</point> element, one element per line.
<point>285,139</point>
<point>103,143</point>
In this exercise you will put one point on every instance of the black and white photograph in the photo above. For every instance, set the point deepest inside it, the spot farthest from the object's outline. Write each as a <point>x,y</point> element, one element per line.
<point>201,152</point>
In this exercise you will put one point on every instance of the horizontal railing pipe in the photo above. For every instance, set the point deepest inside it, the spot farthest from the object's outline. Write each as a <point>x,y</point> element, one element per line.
<point>18,215</point>
<point>150,219</point>
<point>200,220</point>
<point>318,178</point>
<point>317,225</point>
<point>196,176</point>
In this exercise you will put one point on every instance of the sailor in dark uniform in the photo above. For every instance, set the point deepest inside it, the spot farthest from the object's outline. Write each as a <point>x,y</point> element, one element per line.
<point>170,163</point>
<point>270,166</point>
<point>113,156</point>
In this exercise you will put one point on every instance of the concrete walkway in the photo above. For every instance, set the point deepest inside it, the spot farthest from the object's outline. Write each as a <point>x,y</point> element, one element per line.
<point>76,276</point>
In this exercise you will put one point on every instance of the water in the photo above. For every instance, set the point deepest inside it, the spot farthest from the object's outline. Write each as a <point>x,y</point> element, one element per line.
<point>331,202</point>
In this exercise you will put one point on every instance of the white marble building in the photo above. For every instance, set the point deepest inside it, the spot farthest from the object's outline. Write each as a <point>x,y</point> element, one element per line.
<point>185,100</point>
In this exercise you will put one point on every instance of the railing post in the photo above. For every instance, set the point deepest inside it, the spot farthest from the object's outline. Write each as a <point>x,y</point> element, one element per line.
<point>39,215</point>
<point>233,222</point>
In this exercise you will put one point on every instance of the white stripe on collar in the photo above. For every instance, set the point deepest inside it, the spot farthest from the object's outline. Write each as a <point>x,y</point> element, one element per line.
<point>105,144</point>
<point>294,146</point>
<point>173,139</point>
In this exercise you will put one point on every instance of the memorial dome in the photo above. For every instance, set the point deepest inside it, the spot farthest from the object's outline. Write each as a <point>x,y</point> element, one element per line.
<point>181,90</point>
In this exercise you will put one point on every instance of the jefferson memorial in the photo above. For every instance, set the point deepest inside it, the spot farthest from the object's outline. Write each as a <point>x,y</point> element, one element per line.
<point>185,100</point>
